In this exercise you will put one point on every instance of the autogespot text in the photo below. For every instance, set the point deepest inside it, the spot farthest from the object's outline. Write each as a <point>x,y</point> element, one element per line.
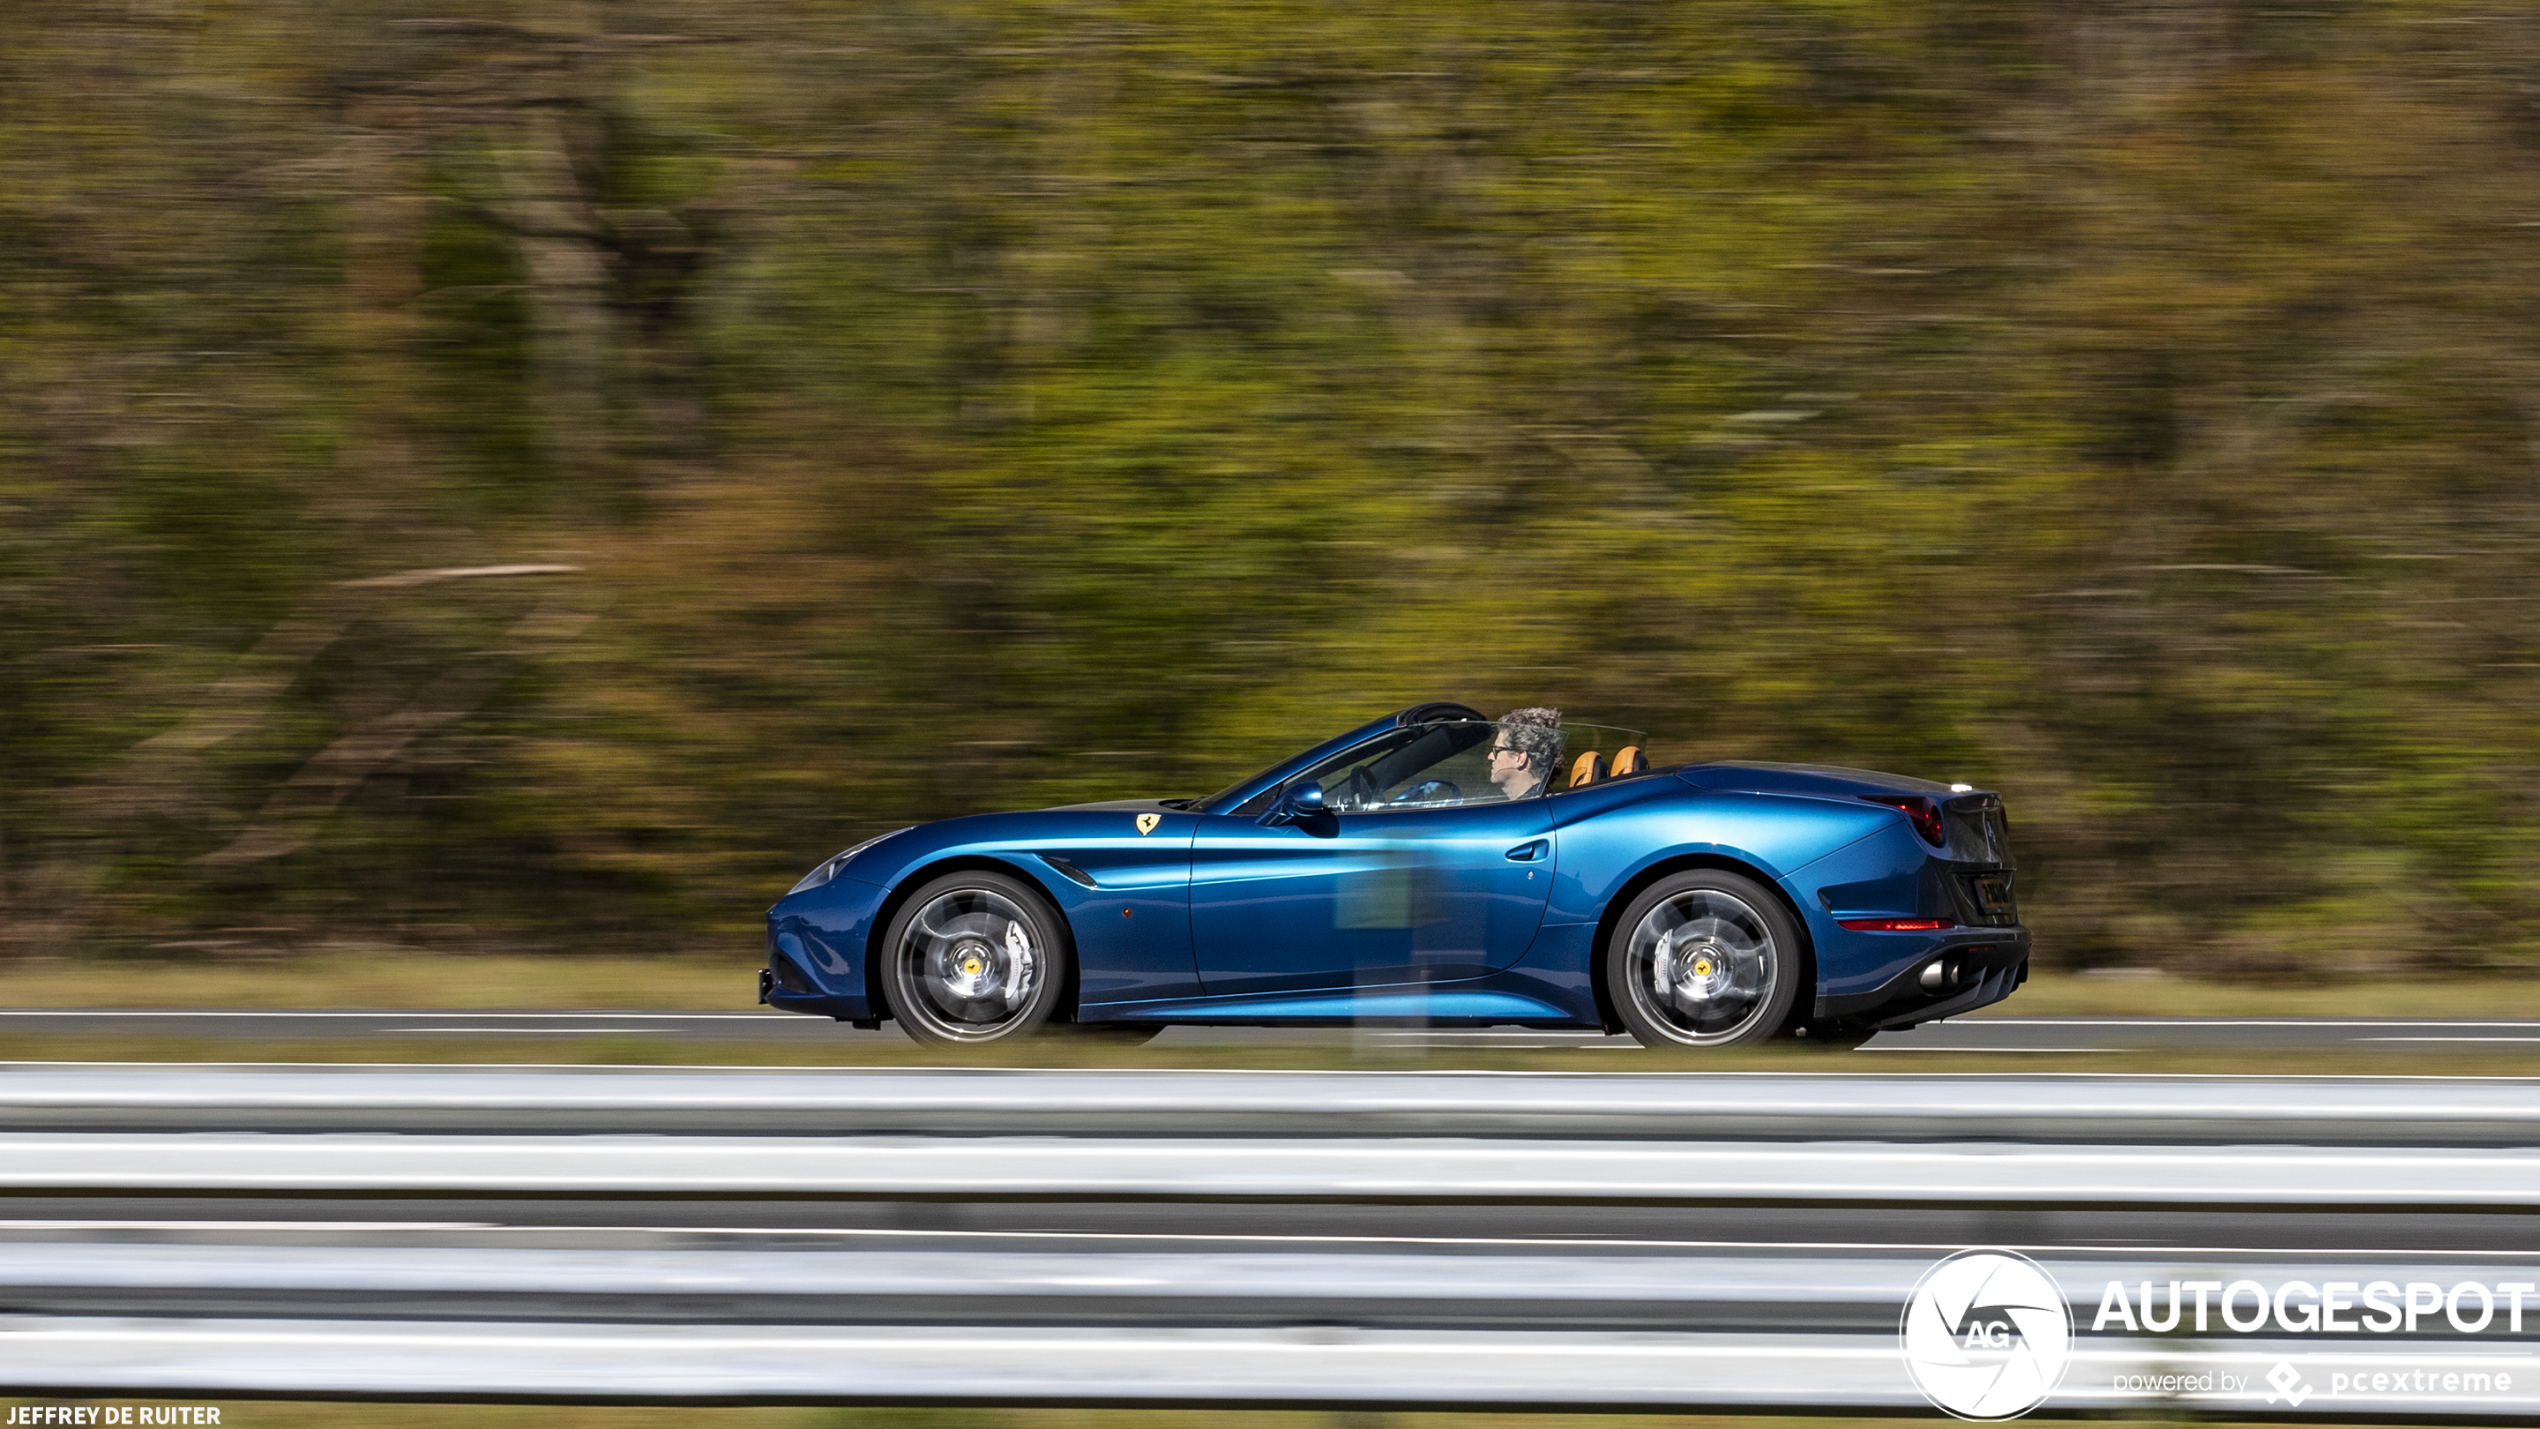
<point>2443,1361</point>
<point>2298,1307</point>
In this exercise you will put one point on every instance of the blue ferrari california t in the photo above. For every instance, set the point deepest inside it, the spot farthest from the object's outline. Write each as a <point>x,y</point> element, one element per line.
<point>1433,867</point>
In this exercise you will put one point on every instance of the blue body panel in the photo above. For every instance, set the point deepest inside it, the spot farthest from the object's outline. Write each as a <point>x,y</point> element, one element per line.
<point>825,933</point>
<point>1427,896</point>
<point>1476,914</point>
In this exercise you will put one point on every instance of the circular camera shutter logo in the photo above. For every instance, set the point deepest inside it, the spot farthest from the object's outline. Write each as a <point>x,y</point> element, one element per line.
<point>1987,1334</point>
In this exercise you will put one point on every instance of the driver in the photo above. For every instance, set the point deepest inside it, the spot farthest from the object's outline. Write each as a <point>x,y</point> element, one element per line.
<point>1524,749</point>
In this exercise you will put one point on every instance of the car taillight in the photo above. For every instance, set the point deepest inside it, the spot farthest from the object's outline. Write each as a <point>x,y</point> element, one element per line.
<point>1923,812</point>
<point>1894,925</point>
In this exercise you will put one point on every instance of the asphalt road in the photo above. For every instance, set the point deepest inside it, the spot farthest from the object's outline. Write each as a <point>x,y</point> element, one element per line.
<point>2008,1035</point>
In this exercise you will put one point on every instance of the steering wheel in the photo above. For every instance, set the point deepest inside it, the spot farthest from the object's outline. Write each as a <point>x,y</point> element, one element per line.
<point>1430,791</point>
<point>1358,791</point>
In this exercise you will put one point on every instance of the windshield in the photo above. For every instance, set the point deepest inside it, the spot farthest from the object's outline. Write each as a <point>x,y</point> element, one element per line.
<point>1231,790</point>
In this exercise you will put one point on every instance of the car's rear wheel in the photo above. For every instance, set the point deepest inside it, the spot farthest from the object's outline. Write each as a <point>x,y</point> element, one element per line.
<point>1703,959</point>
<point>975,957</point>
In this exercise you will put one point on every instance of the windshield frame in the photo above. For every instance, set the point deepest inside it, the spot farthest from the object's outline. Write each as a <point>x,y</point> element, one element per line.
<point>1242,791</point>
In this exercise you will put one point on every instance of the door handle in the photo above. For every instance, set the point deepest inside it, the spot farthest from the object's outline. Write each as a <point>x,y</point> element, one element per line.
<point>1529,852</point>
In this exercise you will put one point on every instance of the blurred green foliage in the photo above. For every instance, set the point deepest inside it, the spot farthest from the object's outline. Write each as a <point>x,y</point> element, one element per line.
<point>922,408</point>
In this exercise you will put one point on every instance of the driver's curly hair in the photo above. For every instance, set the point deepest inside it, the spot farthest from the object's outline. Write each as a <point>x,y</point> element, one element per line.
<point>1536,729</point>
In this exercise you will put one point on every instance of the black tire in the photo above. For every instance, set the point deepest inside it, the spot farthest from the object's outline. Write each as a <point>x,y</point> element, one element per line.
<point>975,957</point>
<point>1703,959</point>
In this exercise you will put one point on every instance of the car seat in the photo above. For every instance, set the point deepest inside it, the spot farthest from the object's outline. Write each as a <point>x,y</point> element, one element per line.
<point>1587,769</point>
<point>1629,760</point>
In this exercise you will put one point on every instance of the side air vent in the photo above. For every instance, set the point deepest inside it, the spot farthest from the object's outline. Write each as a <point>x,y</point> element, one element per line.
<point>1071,870</point>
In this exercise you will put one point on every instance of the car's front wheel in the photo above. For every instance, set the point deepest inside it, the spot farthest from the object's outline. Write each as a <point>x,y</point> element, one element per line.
<point>1703,959</point>
<point>975,957</point>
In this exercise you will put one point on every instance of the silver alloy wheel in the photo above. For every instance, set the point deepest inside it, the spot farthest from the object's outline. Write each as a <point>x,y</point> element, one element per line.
<point>1701,966</point>
<point>975,959</point>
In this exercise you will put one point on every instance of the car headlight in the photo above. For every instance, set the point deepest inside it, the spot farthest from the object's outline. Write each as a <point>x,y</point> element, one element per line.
<point>829,868</point>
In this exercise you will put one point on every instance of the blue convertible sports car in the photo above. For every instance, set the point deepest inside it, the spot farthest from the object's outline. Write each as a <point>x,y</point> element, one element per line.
<point>1438,867</point>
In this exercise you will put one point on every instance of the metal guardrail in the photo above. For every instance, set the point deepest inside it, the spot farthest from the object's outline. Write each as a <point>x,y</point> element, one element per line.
<point>476,1309</point>
<point>1028,1364</point>
<point>1022,1364</point>
<point>1549,1288</point>
<point>1257,1169</point>
<point>2098,1110</point>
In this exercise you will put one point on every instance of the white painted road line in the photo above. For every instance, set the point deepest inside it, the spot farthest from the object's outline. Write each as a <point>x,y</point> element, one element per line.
<point>2193,1022</point>
<point>791,1019</point>
<point>525,1031</point>
<point>1969,1051</point>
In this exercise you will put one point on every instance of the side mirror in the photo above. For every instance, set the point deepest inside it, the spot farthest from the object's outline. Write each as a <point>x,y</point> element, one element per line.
<point>1303,800</point>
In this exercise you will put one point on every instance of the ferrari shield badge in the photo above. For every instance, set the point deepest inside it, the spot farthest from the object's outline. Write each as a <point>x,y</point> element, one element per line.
<point>1147,822</point>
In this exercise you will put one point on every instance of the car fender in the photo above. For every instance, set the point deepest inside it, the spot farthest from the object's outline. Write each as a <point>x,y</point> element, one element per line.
<point>1117,873</point>
<point>1604,846</point>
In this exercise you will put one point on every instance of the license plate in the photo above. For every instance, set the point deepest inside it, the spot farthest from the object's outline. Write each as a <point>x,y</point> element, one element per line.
<point>1993,894</point>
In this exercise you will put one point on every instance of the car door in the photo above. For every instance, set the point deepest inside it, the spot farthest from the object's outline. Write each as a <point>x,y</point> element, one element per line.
<point>1389,888</point>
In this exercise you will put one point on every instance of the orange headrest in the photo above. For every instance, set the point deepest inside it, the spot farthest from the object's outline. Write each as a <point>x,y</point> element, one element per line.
<point>1629,760</point>
<point>1587,769</point>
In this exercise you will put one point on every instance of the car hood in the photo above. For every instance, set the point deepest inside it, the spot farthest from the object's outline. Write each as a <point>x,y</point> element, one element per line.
<point>1831,781</point>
